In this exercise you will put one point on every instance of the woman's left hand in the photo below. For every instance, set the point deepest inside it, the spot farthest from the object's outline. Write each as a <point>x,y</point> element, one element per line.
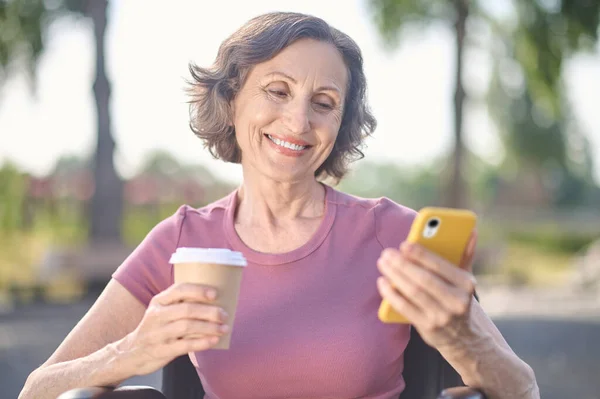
<point>432,293</point>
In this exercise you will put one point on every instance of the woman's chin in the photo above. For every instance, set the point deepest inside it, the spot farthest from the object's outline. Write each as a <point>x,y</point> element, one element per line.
<point>272,168</point>
<point>284,174</point>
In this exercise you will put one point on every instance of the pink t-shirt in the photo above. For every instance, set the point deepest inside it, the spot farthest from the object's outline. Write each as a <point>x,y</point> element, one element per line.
<point>306,325</point>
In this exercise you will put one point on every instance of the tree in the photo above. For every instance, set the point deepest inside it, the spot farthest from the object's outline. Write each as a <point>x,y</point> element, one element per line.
<point>24,25</point>
<point>415,188</point>
<point>545,35</point>
<point>527,98</point>
<point>542,38</point>
<point>107,202</point>
<point>21,35</point>
<point>391,16</point>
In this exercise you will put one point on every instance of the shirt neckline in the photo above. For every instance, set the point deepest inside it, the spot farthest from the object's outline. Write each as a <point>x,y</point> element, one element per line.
<point>270,259</point>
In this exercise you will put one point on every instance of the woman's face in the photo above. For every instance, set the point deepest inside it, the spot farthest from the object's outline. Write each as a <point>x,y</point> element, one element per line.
<point>288,113</point>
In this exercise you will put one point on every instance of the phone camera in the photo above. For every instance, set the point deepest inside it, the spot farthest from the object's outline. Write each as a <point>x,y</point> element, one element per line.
<point>433,223</point>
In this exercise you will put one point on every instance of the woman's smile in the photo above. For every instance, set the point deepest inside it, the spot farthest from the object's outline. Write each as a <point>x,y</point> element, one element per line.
<point>287,146</point>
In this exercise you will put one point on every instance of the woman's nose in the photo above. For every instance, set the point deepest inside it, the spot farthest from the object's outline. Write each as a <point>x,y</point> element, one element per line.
<point>298,116</point>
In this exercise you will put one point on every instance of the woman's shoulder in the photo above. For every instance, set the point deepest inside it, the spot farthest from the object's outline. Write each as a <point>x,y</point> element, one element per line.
<point>214,209</point>
<point>195,216</point>
<point>381,205</point>
<point>392,220</point>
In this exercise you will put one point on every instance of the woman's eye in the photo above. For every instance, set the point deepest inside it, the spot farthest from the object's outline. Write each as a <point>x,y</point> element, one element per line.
<point>278,93</point>
<point>324,105</point>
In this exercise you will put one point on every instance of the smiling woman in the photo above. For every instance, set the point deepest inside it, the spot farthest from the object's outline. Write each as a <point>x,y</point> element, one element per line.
<point>288,121</point>
<point>286,99</point>
<point>295,60</point>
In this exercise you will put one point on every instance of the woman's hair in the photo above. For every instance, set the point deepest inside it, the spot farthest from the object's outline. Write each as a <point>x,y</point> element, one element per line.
<point>259,40</point>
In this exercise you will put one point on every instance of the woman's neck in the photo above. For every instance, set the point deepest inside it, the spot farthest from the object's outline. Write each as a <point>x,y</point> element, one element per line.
<point>266,202</point>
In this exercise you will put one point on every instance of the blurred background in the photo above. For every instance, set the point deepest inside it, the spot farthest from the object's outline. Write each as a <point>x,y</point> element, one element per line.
<point>487,105</point>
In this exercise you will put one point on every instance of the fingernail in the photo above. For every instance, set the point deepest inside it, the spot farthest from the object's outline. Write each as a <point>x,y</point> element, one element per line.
<point>382,282</point>
<point>211,294</point>
<point>224,328</point>
<point>383,264</point>
<point>224,315</point>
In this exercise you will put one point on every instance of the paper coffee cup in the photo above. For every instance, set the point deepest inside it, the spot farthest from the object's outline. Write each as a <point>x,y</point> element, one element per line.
<point>216,267</point>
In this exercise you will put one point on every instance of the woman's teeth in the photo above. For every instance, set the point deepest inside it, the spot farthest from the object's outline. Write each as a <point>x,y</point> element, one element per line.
<point>285,144</point>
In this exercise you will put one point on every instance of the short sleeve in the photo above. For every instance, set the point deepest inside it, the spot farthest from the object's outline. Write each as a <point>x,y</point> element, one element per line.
<point>392,222</point>
<point>146,271</point>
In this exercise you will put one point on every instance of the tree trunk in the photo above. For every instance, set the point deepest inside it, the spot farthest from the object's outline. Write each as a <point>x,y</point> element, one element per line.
<point>456,190</point>
<point>107,201</point>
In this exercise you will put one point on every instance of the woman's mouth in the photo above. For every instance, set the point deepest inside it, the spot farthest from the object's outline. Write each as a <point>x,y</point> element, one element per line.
<point>286,144</point>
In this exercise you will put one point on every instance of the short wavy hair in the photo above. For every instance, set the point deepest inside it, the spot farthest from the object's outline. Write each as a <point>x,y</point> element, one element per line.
<point>259,40</point>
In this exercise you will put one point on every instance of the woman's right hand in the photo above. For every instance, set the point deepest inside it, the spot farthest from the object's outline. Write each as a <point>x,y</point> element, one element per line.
<point>179,320</point>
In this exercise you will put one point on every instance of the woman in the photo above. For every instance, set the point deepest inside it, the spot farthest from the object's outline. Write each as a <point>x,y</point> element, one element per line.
<point>286,99</point>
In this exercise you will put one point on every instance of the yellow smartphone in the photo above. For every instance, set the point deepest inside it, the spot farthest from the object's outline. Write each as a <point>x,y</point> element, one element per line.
<point>444,231</point>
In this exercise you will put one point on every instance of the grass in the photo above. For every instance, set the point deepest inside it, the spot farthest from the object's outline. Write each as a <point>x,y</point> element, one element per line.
<point>527,265</point>
<point>22,251</point>
<point>137,222</point>
<point>20,255</point>
<point>543,257</point>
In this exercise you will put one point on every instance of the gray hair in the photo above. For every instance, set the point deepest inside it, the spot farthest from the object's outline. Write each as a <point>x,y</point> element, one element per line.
<point>259,40</point>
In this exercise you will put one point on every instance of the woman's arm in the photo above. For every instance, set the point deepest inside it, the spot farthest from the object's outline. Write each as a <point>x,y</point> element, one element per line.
<point>119,338</point>
<point>437,297</point>
<point>485,361</point>
<point>89,355</point>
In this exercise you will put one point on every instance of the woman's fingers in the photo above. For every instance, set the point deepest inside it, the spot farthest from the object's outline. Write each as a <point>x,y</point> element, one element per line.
<point>447,296</point>
<point>393,267</point>
<point>439,266</point>
<point>182,346</point>
<point>188,328</point>
<point>177,347</point>
<point>185,292</point>
<point>181,312</point>
<point>399,302</point>
<point>466,262</point>
<point>424,310</point>
<point>179,320</point>
<point>191,310</point>
<point>433,294</point>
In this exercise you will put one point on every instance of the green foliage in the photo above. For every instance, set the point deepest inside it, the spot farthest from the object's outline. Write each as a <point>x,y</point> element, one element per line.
<point>138,221</point>
<point>542,39</point>
<point>526,97</point>
<point>12,191</point>
<point>552,241</point>
<point>545,36</point>
<point>161,163</point>
<point>23,27</point>
<point>528,131</point>
<point>392,16</point>
<point>576,191</point>
<point>419,186</point>
<point>529,265</point>
<point>68,164</point>
<point>538,139</point>
<point>415,188</point>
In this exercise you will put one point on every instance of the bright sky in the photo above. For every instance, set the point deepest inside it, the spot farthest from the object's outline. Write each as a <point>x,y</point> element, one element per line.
<point>150,44</point>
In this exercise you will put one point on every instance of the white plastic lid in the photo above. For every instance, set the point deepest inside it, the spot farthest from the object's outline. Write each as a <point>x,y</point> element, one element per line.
<point>220,256</point>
